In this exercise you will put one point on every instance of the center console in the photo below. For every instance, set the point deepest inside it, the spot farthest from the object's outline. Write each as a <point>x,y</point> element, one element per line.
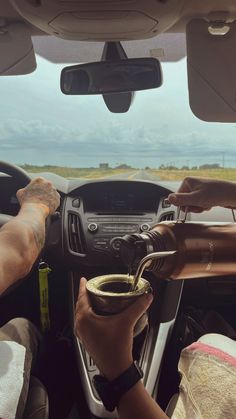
<point>148,347</point>
<point>95,217</point>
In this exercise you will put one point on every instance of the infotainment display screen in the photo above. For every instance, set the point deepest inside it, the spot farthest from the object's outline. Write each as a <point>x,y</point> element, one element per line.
<point>123,198</point>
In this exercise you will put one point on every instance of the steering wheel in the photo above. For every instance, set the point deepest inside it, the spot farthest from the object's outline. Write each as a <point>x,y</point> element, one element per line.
<point>22,177</point>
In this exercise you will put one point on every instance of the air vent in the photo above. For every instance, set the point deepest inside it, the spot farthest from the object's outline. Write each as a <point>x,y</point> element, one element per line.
<point>76,240</point>
<point>168,216</point>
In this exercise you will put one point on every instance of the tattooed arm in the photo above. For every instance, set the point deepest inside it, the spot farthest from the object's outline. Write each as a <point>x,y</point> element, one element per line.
<point>22,238</point>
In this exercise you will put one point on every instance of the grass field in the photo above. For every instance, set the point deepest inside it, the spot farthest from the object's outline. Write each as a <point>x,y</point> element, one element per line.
<point>227,174</point>
<point>95,173</point>
<point>72,172</point>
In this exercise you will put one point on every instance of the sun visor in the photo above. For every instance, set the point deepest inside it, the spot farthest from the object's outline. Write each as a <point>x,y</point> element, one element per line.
<point>16,50</point>
<point>211,62</point>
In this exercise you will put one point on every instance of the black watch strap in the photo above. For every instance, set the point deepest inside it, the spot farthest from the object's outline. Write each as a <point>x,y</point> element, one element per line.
<point>111,392</point>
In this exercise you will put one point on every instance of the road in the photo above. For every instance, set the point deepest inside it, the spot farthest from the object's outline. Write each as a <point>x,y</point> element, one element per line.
<point>145,175</point>
<point>135,175</point>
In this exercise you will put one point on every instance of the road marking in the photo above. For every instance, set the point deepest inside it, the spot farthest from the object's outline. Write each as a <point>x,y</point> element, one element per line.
<point>132,176</point>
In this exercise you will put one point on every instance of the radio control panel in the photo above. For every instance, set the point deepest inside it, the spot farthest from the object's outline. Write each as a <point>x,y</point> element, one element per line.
<point>98,214</point>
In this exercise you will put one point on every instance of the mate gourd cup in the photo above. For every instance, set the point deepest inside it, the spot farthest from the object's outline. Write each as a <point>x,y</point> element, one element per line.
<point>110,294</point>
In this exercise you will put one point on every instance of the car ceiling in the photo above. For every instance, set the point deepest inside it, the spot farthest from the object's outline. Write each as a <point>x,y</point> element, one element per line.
<point>171,15</point>
<point>72,31</point>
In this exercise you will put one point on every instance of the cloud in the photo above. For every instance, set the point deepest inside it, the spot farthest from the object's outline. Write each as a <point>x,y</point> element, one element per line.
<point>111,140</point>
<point>39,125</point>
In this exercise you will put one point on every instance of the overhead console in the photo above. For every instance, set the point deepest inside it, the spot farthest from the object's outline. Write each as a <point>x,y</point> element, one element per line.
<point>97,214</point>
<point>101,20</point>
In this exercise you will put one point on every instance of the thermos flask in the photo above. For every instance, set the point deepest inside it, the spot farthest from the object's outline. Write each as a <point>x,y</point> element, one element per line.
<point>202,249</point>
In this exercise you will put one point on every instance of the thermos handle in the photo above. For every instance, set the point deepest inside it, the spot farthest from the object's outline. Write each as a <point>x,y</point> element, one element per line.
<point>181,220</point>
<point>178,219</point>
<point>233,214</point>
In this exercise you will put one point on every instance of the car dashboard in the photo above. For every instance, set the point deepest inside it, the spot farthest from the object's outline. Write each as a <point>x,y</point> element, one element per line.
<point>97,214</point>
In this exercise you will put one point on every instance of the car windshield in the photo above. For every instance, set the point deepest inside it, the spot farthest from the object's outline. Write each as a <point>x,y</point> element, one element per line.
<point>76,136</point>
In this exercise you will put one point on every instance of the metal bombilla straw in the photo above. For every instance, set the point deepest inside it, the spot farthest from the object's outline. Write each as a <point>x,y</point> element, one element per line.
<point>146,262</point>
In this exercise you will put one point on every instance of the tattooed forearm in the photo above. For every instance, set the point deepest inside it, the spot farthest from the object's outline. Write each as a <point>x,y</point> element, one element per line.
<point>23,237</point>
<point>38,230</point>
<point>34,218</point>
<point>39,235</point>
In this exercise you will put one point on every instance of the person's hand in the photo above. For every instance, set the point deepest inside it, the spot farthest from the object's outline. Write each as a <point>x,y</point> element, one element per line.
<point>201,194</point>
<point>108,339</point>
<point>40,191</point>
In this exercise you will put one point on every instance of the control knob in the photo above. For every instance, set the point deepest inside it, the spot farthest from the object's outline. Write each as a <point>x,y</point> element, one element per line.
<point>115,244</point>
<point>92,227</point>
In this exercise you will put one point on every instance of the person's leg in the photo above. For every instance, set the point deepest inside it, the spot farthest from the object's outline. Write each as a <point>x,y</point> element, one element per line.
<point>220,342</point>
<point>25,333</point>
<point>37,405</point>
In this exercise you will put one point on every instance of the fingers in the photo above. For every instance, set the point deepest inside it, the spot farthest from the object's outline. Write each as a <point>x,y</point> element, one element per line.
<point>131,314</point>
<point>83,312</point>
<point>196,210</point>
<point>40,191</point>
<point>83,303</point>
<point>184,199</point>
<point>187,202</point>
<point>19,194</point>
<point>40,179</point>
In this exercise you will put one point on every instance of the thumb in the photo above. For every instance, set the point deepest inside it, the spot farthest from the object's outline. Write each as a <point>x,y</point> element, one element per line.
<point>135,310</point>
<point>183,199</point>
<point>19,194</point>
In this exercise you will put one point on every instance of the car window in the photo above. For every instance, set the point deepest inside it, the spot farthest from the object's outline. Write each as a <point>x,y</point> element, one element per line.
<point>76,136</point>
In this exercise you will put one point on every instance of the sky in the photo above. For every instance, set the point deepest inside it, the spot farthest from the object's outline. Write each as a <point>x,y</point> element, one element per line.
<point>39,125</point>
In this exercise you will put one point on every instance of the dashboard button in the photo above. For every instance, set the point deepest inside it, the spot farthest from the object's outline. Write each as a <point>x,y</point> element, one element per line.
<point>101,243</point>
<point>76,203</point>
<point>166,203</point>
<point>92,227</point>
<point>115,244</point>
<point>145,227</point>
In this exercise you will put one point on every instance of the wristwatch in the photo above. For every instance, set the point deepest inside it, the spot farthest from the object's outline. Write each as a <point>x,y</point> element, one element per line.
<point>110,392</point>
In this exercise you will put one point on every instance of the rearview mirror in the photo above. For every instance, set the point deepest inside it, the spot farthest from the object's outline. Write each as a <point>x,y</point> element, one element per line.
<point>103,77</point>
